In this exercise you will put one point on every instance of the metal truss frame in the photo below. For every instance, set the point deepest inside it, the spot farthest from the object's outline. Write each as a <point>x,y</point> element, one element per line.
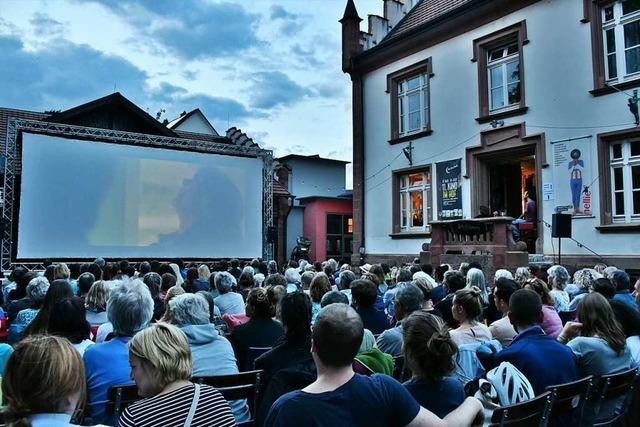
<point>13,165</point>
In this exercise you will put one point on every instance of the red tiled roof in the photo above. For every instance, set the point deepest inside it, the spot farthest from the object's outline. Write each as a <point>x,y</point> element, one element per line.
<point>7,113</point>
<point>279,190</point>
<point>425,11</point>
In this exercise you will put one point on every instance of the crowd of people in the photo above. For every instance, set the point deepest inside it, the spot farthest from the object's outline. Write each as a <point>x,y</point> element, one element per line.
<point>338,345</point>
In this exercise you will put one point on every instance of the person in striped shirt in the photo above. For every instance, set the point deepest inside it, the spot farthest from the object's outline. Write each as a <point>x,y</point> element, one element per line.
<point>161,365</point>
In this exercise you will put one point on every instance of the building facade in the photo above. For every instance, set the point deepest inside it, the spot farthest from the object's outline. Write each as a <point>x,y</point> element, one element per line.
<point>465,106</point>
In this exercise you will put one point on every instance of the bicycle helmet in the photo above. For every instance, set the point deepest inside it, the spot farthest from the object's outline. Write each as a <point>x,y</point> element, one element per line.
<point>510,384</point>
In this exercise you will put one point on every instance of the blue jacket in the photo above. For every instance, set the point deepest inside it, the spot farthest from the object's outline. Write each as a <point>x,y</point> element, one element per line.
<point>542,359</point>
<point>626,297</point>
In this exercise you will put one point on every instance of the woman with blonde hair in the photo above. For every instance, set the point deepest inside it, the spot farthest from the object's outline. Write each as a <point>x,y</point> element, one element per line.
<point>43,383</point>
<point>466,309</point>
<point>161,366</point>
<point>96,303</point>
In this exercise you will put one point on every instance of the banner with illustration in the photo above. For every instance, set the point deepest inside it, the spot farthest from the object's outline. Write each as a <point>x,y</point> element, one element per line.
<point>573,176</point>
<point>449,187</point>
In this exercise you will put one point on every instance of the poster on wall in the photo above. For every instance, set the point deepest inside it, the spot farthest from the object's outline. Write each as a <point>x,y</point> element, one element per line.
<point>573,175</point>
<point>449,189</point>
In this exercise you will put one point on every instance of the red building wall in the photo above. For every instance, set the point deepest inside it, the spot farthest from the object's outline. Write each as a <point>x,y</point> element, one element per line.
<point>314,222</point>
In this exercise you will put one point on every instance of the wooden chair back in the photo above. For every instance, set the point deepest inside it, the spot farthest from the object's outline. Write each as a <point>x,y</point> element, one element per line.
<point>119,397</point>
<point>618,388</point>
<point>570,398</point>
<point>532,413</point>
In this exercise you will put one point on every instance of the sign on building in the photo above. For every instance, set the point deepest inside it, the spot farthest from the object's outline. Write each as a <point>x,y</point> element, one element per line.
<point>573,177</point>
<point>449,179</point>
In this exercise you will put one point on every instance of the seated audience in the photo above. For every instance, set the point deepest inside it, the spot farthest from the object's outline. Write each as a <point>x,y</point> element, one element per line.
<point>622,283</point>
<point>85,281</point>
<point>334,297</point>
<point>583,281</point>
<point>69,320</point>
<point>340,397</point>
<point>438,291</point>
<point>372,358</point>
<point>36,293</point>
<point>211,353</point>
<point>320,285</point>
<point>96,303</point>
<point>5,352</point>
<point>228,302</point>
<point>59,289</point>
<point>558,276</point>
<point>344,282</point>
<point>402,275</point>
<point>363,295</point>
<point>429,354</point>
<point>453,282</point>
<point>18,299</point>
<point>475,277</point>
<point>466,311</point>
<point>12,283</point>
<point>522,275</point>
<point>427,288</point>
<point>171,294</point>
<point>129,310</point>
<point>305,280</point>
<point>292,276</point>
<point>43,383</point>
<point>161,366</point>
<point>542,359</point>
<point>601,347</point>
<point>502,329</point>
<point>246,282</point>
<point>408,298</point>
<point>168,282</point>
<point>154,283</point>
<point>627,317</point>
<point>260,331</point>
<point>62,272</point>
<point>551,322</point>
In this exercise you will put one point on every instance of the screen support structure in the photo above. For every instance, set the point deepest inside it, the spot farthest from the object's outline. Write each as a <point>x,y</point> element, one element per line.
<point>13,164</point>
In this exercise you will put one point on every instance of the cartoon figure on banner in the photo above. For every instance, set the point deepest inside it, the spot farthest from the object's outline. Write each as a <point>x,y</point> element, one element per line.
<point>576,166</point>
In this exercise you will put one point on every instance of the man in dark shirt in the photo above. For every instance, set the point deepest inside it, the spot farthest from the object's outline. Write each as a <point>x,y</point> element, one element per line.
<point>532,350</point>
<point>453,281</point>
<point>364,294</point>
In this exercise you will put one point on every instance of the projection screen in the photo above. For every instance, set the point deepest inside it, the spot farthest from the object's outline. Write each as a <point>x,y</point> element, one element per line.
<point>84,199</point>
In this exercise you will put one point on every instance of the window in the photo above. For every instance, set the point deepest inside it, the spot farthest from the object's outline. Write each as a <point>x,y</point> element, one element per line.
<point>410,100</point>
<point>621,40</point>
<point>503,65</point>
<point>412,201</point>
<point>501,73</point>
<point>339,243</point>
<point>625,181</point>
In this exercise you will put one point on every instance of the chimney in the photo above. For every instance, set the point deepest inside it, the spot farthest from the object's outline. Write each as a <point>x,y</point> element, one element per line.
<point>350,35</point>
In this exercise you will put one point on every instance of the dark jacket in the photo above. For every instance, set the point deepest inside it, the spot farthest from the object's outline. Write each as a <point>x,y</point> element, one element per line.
<point>257,332</point>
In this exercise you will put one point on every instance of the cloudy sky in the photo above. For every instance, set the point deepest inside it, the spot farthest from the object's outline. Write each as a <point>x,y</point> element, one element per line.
<point>270,67</point>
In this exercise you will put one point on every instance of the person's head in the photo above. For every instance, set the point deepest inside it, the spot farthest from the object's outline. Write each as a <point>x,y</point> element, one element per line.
<point>502,292</point>
<point>334,297</point>
<point>272,267</point>
<point>403,275</point>
<point>159,355</point>
<point>558,277</point>
<point>192,274</point>
<point>17,273</point>
<point>168,281</point>
<point>189,309</point>
<point>608,271</point>
<point>598,319</point>
<point>427,347</point>
<point>408,298</point>
<point>604,287</point>
<point>599,267</point>
<point>317,266</point>
<point>346,277</point>
<point>210,304</point>
<point>439,272</point>
<point>467,305</point>
<point>57,291</point>
<point>475,277</point>
<point>97,297</point>
<point>153,282</point>
<point>454,281</point>
<point>378,271</point>
<point>37,289</point>
<point>22,281</point>
<point>50,273</point>
<point>246,280</point>
<point>234,263</point>
<point>224,282</point>
<point>525,309</point>
<point>68,319</point>
<point>327,270</point>
<point>44,374</point>
<point>502,273</point>
<point>337,335</point>
<point>85,281</point>
<point>145,268</point>
<point>539,287</point>
<point>464,268</point>
<point>585,278</point>
<point>295,313</point>
<point>204,272</point>
<point>259,305</point>
<point>306,278</point>
<point>320,285</point>
<point>276,293</point>
<point>426,287</point>
<point>292,275</point>
<point>363,293</point>
<point>61,271</point>
<point>522,275</point>
<point>414,268</point>
<point>129,308</point>
<point>620,280</point>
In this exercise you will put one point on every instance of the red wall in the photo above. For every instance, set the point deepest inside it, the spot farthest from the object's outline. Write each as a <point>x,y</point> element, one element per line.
<point>314,223</point>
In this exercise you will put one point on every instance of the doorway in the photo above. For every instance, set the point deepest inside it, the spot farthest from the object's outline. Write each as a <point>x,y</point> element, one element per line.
<point>509,180</point>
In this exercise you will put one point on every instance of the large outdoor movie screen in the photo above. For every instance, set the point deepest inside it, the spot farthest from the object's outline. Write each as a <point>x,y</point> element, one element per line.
<point>84,199</point>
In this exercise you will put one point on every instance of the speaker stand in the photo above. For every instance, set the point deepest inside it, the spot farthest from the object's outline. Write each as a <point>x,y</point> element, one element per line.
<point>559,250</point>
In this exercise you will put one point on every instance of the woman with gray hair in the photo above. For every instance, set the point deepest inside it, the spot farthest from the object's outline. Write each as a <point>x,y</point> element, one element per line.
<point>557,278</point>
<point>293,279</point>
<point>36,291</point>
<point>583,281</point>
<point>522,275</point>
<point>129,310</point>
<point>211,352</point>
<point>228,302</point>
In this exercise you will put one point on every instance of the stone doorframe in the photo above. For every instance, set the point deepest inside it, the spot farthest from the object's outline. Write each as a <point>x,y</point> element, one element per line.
<point>502,142</point>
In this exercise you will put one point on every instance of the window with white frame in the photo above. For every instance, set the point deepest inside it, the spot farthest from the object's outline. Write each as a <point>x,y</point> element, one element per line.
<point>621,40</point>
<point>413,104</point>
<point>414,201</point>
<point>625,181</point>
<point>503,68</point>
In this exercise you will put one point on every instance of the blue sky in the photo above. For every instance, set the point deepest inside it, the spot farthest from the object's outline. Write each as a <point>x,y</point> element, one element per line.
<point>269,67</point>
